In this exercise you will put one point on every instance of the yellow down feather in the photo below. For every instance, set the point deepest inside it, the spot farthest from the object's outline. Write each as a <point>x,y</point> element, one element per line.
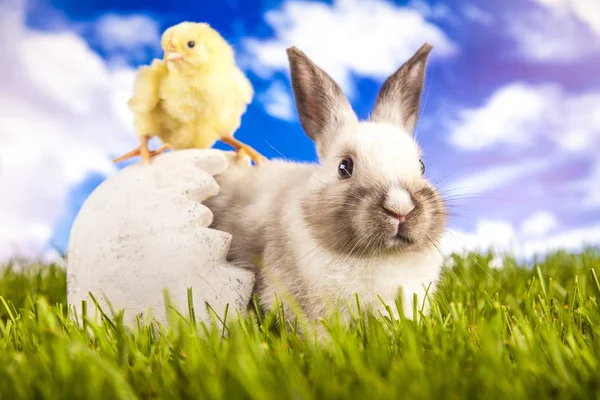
<point>193,101</point>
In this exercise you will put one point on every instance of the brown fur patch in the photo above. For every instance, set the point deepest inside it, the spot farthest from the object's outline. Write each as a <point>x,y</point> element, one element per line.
<point>399,98</point>
<point>334,215</point>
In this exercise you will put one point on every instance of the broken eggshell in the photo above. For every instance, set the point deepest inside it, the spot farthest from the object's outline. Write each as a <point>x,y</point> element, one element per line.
<point>143,231</point>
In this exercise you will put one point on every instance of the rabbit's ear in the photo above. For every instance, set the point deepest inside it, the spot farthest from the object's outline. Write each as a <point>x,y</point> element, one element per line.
<point>321,105</point>
<point>399,97</point>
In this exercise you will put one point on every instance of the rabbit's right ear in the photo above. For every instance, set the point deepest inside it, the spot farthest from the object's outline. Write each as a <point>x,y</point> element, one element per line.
<point>321,105</point>
<point>399,97</point>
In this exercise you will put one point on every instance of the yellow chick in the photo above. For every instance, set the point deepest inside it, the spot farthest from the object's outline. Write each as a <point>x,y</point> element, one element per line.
<point>193,97</point>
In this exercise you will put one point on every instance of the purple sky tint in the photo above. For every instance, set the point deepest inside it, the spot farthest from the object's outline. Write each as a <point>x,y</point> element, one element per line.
<point>510,124</point>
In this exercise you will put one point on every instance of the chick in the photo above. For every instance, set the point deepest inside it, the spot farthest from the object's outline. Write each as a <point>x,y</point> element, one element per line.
<point>193,97</point>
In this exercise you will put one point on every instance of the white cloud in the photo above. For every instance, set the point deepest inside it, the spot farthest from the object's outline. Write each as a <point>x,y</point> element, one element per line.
<point>278,101</point>
<point>369,38</point>
<point>63,117</point>
<point>587,11</point>
<point>477,15</point>
<point>127,31</point>
<point>570,240</point>
<point>502,238</point>
<point>496,263</point>
<point>591,187</point>
<point>488,234</point>
<point>557,30</point>
<point>539,224</point>
<point>127,36</point>
<point>520,114</point>
<point>432,11</point>
<point>509,116</point>
<point>522,118</point>
<point>587,189</point>
<point>495,177</point>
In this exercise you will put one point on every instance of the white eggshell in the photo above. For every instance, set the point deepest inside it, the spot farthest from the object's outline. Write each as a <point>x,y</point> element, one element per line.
<point>144,230</point>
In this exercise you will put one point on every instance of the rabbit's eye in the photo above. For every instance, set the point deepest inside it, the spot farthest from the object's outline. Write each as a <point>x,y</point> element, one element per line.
<point>422,166</point>
<point>191,44</point>
<point>346,167</point>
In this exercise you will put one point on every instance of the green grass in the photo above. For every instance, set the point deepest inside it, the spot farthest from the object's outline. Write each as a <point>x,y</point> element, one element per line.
<point>493,334</point>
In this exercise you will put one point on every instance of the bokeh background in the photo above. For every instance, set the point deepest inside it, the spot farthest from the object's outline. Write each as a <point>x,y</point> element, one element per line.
<point>510,119</point>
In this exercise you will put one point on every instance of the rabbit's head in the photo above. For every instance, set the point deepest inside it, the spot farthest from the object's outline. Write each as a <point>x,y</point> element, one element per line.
<point>369,196</point>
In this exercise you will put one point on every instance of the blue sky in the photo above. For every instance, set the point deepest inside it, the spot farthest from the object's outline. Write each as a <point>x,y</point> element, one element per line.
<point>510,124</point>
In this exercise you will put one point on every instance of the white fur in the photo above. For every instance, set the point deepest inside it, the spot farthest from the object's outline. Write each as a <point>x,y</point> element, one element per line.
<point>386,154</point>
<point>330,275</point>
<point>263,206</point>
<point>399,201</point>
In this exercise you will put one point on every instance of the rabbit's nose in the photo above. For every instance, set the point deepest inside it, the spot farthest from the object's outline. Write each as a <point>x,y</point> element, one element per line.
<point>398,204</point>
<point>399,217</point>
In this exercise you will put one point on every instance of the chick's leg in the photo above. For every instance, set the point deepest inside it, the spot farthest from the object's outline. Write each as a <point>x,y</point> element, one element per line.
<point>243,149</point>
<point>143,151</point>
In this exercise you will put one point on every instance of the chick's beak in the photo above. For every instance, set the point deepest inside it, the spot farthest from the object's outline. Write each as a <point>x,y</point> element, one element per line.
<point>171,53</point>
<point>172,56</point>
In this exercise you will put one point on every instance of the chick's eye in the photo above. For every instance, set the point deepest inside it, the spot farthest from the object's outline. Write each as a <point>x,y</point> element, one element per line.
<point>346,167</point>
<point>191,44</point>
<point>422,166</point>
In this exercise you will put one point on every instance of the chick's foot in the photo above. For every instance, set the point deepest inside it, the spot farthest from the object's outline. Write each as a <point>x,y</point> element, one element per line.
<point>243,150</point>
<point>143,151</point>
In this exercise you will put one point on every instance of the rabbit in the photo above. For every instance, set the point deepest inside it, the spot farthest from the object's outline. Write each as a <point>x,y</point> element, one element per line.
<point>363,221</point>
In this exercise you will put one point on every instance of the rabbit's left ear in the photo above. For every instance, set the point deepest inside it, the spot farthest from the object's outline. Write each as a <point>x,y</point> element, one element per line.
<point>400,96</point>
<point>322,107</point>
